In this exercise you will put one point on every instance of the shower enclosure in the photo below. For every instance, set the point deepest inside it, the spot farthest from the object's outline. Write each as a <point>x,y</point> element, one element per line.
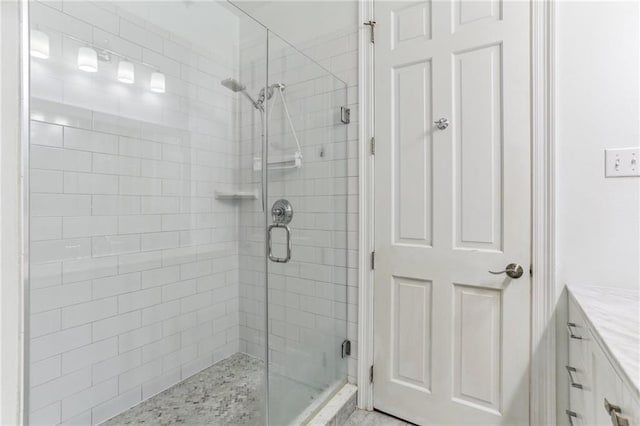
<point>188,218</point>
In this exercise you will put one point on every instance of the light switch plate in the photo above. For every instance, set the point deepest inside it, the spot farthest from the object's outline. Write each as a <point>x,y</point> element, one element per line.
<point>622,162</point>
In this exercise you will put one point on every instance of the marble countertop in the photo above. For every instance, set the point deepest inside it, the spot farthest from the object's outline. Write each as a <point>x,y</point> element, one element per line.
<point>614,314</point>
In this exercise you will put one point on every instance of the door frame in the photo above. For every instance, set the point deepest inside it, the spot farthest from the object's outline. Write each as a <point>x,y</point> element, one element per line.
<point>542,383</point>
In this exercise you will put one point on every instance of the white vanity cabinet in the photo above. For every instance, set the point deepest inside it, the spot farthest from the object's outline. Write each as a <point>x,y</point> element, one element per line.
<point>598,394</point>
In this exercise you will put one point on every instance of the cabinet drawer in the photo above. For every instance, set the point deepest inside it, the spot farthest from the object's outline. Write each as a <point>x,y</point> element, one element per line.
<point>581,414</point>
<point>579,337</point>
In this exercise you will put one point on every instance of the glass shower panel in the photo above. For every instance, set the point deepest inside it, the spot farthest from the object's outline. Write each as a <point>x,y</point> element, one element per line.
<point>307,294</point>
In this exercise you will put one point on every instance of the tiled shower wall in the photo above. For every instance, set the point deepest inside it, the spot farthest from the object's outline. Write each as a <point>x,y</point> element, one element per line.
<point>313,299</point>
<point>134,265</point>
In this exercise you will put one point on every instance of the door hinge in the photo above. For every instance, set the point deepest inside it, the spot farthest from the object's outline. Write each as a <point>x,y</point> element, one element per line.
<point>371,374</point>
<point>373,260</point>
<point>372,25</point>
<point>346,348</point>
<point>373,146</point>
<point>531,270</point>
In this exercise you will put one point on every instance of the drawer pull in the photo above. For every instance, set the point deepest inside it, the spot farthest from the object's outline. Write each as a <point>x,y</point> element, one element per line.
<point>616,420</point>
<point>610,408</point>
<point>570,326</point>
<point>571,415</point>
<point>572,370</point>
<point>613,411</point>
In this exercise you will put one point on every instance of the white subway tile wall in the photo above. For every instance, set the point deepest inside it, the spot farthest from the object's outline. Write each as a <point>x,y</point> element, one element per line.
<point>134,263</point>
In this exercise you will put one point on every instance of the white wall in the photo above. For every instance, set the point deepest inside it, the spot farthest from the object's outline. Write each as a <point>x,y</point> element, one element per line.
<point>598,222</point>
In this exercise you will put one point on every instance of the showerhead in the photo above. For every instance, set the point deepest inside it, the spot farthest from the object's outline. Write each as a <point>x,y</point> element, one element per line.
<point>233,85</point>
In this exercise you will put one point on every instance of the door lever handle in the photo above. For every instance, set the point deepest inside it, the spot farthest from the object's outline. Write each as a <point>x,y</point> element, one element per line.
<point>513,270</point>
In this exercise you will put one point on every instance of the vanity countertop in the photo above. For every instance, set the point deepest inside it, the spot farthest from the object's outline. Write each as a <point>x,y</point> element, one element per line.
<point>614,314</point>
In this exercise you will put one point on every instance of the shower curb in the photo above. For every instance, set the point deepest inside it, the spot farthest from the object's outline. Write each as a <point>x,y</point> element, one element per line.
<point>338,409</point>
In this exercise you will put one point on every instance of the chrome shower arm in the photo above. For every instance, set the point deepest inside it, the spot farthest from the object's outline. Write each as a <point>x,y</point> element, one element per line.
<point>253,101</point>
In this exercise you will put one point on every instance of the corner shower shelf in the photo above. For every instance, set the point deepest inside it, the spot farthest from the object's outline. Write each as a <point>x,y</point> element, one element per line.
<point>277,163</point>
<point>235,195</point>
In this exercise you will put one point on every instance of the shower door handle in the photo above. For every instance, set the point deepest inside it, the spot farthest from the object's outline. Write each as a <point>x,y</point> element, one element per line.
<point>288,231</point>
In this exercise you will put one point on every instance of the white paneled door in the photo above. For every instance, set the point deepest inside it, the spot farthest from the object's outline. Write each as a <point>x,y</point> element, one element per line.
<point>452,203</point>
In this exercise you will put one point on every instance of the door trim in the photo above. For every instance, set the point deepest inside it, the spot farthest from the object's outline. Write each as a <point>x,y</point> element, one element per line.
<point>365,206</point>
<point>542,404</point>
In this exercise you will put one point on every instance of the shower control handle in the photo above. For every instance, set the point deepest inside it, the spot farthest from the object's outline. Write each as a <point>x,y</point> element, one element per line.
<point>288,232</point>
<point>282,214</point>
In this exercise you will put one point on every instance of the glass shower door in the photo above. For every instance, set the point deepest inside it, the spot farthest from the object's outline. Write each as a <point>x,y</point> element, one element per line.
<point>306,214</point>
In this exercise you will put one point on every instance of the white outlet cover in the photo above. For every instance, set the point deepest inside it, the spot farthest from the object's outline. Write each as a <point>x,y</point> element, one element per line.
<point>622,162</point>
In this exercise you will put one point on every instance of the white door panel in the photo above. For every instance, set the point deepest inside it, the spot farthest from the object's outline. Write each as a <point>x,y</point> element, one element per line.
<point>468,13</point>
<point>413,197</point>
<point>452,340</point>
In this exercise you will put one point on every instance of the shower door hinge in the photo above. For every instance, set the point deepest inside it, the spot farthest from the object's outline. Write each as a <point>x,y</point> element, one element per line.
<point>345,115</point>
<point>372,25</point>
<point>346,348</point>
<point>371,374</point>
<point>373,146</point>
<point>373,260</point>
